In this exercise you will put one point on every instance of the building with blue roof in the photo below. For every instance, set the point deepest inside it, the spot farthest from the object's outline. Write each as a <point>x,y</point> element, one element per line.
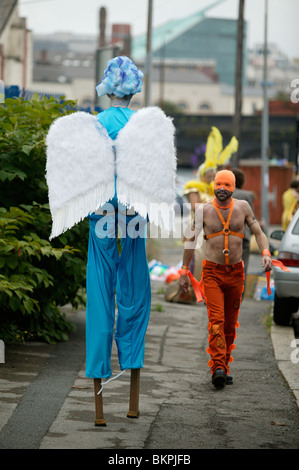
<point>195,38</point>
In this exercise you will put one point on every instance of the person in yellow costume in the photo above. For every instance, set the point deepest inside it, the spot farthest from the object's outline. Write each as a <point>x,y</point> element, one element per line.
<point>290,202</point>
<point>201,190</point>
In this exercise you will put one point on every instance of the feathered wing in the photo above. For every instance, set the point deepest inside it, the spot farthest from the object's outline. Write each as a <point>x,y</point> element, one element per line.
<point>215,154</point>
<point>80,169</point>
<point>214,147</point>
<point>146,166</point>
<point>227,152</point>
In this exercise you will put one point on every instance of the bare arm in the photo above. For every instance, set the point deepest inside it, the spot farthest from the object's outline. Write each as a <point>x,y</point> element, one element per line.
<point>193,199</point>
<point>260,237</point>
<point>190,244</point>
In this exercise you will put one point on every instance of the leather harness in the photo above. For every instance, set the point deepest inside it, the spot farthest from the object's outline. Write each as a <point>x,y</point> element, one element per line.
<point>225,231</point>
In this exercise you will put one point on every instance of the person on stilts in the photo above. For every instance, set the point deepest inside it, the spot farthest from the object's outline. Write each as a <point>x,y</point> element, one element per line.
<point>118,169</point>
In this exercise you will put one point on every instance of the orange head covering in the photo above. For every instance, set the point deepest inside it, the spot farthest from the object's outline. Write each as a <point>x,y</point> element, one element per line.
<point>225,178</point>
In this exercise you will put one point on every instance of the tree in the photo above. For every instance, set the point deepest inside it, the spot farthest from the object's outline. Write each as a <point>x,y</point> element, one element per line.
<point>36,276</point>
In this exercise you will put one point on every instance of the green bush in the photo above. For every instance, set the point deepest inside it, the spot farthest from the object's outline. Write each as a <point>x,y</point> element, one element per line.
<point>36,276</point>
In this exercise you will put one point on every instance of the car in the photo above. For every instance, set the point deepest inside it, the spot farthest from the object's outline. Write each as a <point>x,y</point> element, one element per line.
<point>286,298</point>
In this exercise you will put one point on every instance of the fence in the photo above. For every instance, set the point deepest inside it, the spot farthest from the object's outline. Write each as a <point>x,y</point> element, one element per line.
<point>279,181</point>
<point>192,133</point>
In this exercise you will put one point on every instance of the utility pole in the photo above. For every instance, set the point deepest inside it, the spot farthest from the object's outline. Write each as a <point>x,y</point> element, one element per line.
<point>148,61</point>
<point>162,74</point>
<point>265,130</point>
<point>102,55</point>
<point>238,82</point>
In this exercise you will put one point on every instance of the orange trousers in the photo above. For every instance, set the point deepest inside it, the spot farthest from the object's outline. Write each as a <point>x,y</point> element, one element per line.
<point>223,287</point>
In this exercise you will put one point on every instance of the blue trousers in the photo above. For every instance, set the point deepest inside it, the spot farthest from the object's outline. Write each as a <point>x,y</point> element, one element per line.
<point>128,275</point>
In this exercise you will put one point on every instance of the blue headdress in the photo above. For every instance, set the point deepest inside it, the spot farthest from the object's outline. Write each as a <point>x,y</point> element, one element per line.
<point>121,78</point>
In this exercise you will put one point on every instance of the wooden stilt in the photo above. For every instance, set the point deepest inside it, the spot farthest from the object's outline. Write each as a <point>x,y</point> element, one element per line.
<point>99,421</point>
<point>134,394</point>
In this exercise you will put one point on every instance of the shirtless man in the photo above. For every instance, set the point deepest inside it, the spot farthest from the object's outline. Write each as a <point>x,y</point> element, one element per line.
<point>223,221</point>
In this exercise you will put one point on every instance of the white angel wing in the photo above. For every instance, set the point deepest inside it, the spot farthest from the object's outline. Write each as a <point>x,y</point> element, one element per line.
<point>80,169</point>
<point>146,166</point>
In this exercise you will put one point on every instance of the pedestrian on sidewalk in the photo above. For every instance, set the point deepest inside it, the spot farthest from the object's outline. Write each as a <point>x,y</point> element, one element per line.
<point>223,221</point>
<point>290,202</point>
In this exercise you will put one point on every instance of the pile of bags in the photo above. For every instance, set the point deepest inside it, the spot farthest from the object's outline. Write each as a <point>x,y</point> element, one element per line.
<point>170,276</point>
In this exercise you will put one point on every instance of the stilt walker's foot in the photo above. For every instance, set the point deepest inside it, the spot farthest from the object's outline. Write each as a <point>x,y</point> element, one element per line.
<point>134,394</point>
<point>99,420</point>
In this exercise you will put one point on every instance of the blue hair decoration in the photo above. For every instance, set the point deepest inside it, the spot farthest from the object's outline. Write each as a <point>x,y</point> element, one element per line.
<point>121,78</point>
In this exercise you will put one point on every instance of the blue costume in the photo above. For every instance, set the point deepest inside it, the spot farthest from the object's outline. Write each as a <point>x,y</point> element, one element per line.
<point>107,271</point>
<point>99,167</point>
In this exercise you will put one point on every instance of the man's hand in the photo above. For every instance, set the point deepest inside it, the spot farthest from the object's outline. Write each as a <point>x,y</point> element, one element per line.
<point>267,263</point>
<point>184,283</point>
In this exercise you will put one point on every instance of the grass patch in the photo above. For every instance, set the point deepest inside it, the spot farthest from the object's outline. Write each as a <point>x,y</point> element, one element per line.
<point>158,308</point>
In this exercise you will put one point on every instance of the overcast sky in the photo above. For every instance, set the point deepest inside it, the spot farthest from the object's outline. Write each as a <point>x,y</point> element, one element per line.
<point>81,16</point>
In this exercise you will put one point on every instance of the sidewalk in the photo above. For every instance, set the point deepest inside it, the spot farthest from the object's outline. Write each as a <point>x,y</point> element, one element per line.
<point>47,402</point>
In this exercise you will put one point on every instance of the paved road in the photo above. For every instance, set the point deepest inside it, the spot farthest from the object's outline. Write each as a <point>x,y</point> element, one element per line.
<point>47,403</point>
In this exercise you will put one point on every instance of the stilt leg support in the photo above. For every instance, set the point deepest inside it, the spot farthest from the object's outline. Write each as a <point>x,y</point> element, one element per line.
<point>134,394</point>
<point>99,421</point>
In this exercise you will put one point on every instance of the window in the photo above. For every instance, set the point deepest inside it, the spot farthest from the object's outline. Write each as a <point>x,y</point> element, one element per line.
<point>183,105</point>
<point>205,106</point>
<point>295,230</point>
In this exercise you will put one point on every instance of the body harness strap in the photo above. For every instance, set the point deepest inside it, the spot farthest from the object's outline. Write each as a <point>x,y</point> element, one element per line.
<point>226,231</point>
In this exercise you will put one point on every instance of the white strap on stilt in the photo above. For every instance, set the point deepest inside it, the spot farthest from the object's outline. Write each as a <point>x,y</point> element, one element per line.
<point>109,380</point>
